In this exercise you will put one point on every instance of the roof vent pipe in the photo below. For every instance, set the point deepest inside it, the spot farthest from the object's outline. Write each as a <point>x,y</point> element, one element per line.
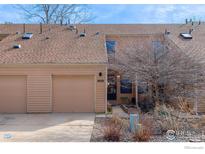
<point>186,21</point>
<point>190,31</point>
<point>41,28</point>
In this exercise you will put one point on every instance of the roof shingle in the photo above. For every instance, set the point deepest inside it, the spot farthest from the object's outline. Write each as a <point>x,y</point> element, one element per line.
<point>59,45</point>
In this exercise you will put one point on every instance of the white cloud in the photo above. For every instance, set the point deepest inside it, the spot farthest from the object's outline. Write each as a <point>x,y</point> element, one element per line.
<point>173,13</point>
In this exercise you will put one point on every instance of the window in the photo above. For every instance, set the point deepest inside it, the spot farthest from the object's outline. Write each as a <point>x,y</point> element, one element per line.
<point>110,45</point>
<point>126,86</point>
<point>158,49</point>
<point>142,87</point>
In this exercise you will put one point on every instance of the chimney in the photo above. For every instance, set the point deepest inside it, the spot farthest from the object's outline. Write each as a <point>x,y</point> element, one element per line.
<point>192,23</point>
<point>199,22</point>
<point>24,28</point>
<point>41,28</point>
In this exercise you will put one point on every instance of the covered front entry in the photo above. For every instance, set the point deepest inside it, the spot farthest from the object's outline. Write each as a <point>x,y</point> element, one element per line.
<point>112,87</point>
<point>73,93</point>
<point>12,94</point>
<point>120,90</point>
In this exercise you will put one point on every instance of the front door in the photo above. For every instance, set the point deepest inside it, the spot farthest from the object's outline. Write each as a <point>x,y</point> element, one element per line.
<point>112,88</point>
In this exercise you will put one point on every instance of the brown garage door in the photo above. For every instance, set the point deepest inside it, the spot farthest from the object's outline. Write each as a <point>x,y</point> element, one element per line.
<point>73,94</point>
<point>12,94</point>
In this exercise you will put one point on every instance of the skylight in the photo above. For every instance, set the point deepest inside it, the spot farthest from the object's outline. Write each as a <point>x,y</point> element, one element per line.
<point>186,35</point>
<point>17,46</point>
<point>27,36</point>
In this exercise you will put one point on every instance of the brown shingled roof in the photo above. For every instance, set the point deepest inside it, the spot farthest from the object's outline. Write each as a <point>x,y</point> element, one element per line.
<point>56,44</point>
<point>64,46</point>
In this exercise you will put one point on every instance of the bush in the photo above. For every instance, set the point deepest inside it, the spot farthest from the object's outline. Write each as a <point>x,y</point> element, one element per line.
<point>184,106</point>
<point>142,135</point>
<point>146,104</point>
<point>112,130</point>
<point>112,134</point>
<point>168,118</point>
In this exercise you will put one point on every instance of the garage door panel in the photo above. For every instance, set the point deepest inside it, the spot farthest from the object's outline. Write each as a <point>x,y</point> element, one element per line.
<point>73,94</point>
<point>12,94</point>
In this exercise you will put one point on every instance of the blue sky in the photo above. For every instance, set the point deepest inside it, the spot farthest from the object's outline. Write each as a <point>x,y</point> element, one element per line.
<point>124,13</point>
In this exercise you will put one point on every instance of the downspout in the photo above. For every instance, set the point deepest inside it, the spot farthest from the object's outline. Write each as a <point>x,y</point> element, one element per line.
<point>196,97</point>
<point>136,91</point>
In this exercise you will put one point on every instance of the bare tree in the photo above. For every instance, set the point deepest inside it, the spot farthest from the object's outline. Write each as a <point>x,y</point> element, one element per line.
<point>57,13</point>
<point>168,71</point>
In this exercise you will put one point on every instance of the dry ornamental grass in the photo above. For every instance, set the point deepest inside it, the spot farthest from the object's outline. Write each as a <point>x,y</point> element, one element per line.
<point>112,131</point>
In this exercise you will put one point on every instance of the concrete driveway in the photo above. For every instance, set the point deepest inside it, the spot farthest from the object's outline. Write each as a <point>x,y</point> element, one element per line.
<point>54,127</point>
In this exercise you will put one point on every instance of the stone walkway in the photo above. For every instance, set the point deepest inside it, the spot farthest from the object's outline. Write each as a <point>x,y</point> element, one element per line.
<point>116,110</point>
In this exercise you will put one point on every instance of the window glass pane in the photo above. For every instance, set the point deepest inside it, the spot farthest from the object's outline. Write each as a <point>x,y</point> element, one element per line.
<point>158,49</point>
<point>126,86</point>
<point>142,87</point>
<point>110,45</point>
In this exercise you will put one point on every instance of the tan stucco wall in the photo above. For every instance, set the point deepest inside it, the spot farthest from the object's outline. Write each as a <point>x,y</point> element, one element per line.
<point>39,83</point>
